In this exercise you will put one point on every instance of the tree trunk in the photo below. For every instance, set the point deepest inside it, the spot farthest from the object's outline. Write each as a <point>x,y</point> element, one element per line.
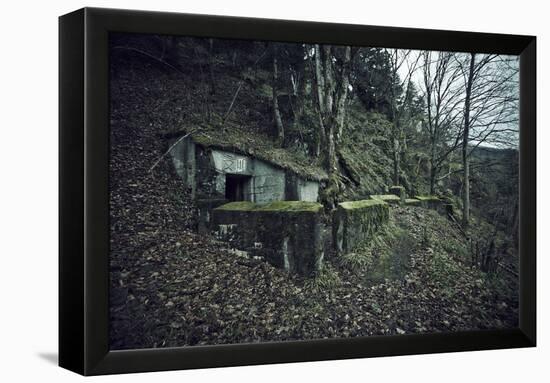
<point>331,99</point>
<point>465,139</point>
<point>433,168</point>
<point>396,162</point>
<point>276,113</point>
<point>320,88</point>
<point>343,93</point>
<point>432,181</point>
<point>211,79</point>
<point>319,80</point>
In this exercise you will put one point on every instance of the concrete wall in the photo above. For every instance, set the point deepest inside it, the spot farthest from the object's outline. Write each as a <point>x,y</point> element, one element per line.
<point>356,221</point>
<point>299,189</point>
<point>308,190</point>
<point>268,183</point>
<point>288,234</point>
<point>227,162</point>
<point>209,183</point>
<point>183,159</point>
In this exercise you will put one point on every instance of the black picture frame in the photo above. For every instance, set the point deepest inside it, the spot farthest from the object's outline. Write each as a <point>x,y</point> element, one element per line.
<point>84,191</point>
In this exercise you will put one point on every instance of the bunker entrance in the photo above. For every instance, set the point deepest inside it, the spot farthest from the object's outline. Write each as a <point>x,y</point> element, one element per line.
<point>236,187</point>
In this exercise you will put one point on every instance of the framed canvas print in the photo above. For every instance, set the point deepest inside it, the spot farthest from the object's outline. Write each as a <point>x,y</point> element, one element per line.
<point>243,191</point>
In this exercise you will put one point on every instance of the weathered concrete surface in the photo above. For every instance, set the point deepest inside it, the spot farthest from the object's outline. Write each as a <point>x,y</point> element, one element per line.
<point>412,202</point>
<point>227,162</point>
<point>183,159</point>
<point>298,189</point>
<point>288,234</point>
<point>268,183</point>
<point>308,190</point>
<point>356,221</point>
<point>388,198</point>
<point>205,207</point>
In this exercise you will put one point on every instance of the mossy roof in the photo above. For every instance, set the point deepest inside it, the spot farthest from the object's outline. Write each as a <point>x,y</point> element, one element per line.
<point>276,206</point>
<point>350,205</point>
<point>239,140</point>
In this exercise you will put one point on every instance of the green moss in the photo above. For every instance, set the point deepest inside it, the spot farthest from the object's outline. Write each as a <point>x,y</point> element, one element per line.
<point>427,198</point>
<point>350,205</point>
<point>296,206</point>
<point>290,206</point>
<point>412,201</point>
<point>385,197</point>
<point>327,279</point>
<point>384,255</point>
<point>358,261</point>
<point>241,205</point>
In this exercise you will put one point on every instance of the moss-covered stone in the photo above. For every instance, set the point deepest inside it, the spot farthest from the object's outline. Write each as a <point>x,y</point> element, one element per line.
<point>389,198</point>
<point>349,205</point>
<point>356,221</point>
<point>288,234</point>
<point>281,206</point>
<point>239,205</point>
<point>427,198</point>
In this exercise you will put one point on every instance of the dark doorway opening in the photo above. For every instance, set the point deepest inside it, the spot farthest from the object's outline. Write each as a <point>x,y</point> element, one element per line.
<point>235,186</point>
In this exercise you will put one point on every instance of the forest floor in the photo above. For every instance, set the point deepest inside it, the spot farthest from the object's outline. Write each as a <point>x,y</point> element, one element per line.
<point>173,287</point>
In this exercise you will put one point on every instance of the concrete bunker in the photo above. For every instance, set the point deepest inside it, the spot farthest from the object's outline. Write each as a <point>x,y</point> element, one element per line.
<point>262,208</point>
<point>217,174</point>
<point>223,172</point>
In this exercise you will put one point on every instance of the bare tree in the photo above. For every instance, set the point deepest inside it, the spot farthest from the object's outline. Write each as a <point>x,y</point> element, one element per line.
<point>443,96</point>
<point>490,109</point>
<point>465,139</point>
<point>399,93</point>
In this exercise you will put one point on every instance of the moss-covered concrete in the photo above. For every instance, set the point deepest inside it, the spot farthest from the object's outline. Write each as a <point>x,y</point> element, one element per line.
<point>427,198</point>
<point>350,205</point>
<point>356,221</point>
<point>412,202</point>
<point>288,234</point>
<point>389,198</point>
<point>281,206</point>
